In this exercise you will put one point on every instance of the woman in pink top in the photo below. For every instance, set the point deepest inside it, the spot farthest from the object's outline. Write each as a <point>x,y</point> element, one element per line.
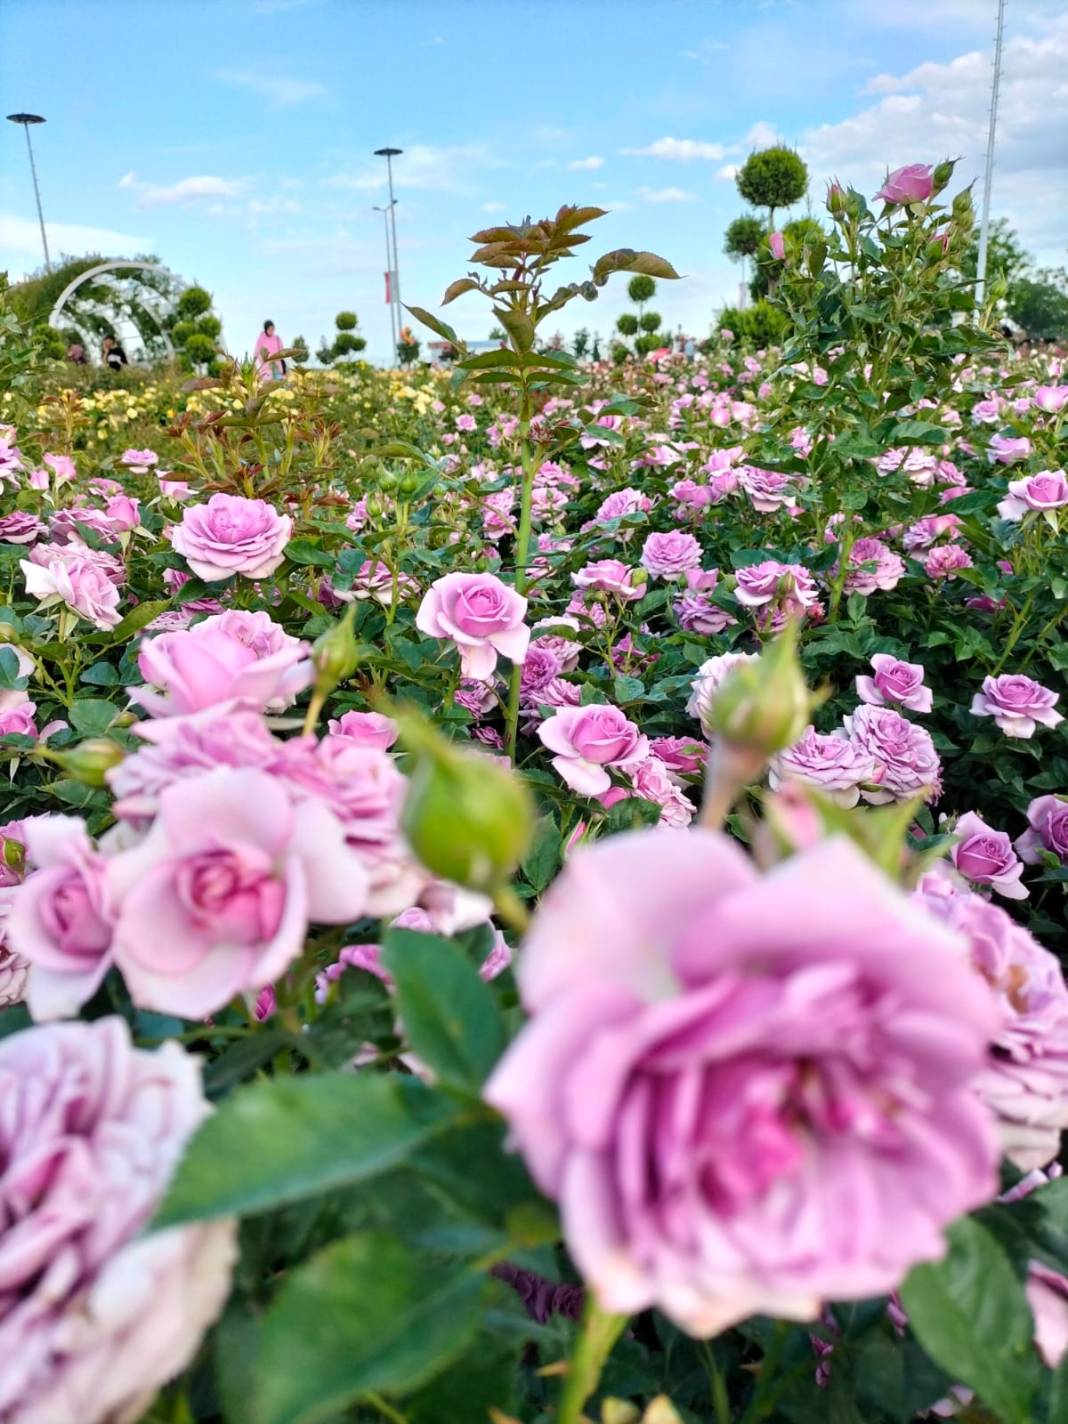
<point>268,343</point>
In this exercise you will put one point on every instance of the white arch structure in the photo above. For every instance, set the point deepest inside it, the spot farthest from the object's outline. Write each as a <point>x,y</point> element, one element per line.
<point>155,303</point>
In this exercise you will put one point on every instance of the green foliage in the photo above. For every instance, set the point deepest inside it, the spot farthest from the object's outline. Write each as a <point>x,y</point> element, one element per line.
<point>641,289</point>
<point>300,350</point>
<point>346,321</point>
<point>200,349</point>
<point>758,326</point>
<point>210,326</point>
<point>345,343</point>
<point>743,237</point>
<point>649,321</point>
<point>1039,303</point>
<point>194,302</point>
<point>773,178</point>
<point>627,324</point>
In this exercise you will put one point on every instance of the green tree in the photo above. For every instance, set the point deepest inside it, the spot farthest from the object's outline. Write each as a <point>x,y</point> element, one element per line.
<point>773,178</point>
<point>627,324</point>
<point>649,321</point>
<point>194,302</point>
<point>1005,254</point>
<point>1039,302</point>
<point>300,350</point>
<point>743,237</point>
<point>580,343</point>
<point>346,321</point>
<point>346,342</point>
<point>641,289</point>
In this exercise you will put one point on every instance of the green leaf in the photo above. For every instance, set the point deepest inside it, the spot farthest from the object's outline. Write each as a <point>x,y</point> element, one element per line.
<point>10,677</point>
<point>921,431</point>
<point>518,326</point>
<point>627,689</point>
<point>100,675</point>
<point>403,450</point>
<point>970,1313</point>
<point>304,551</point>
<point>457,289</point>
<point>485,360</point>
<point>134,621</point>
<point>366,1315</point>
<point>92,716</point>
<point>435,324</point>
<point>450,1016</point>
<point>293,1138</point>
<point>241,1059</point>
<point>483,1378</point>
<point>543,859</point>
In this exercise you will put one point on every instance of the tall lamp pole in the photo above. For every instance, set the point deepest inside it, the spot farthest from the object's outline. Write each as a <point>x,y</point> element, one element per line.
<point>26,120</point>
<point>390,272</point>
<point>389,154</point>
<point>984,225</point>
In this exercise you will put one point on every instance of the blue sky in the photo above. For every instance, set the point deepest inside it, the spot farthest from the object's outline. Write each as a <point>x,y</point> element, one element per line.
<point>234,137</point>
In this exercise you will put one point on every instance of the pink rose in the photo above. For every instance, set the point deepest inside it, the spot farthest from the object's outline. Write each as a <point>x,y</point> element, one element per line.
<point>17,718</point>
<point>895,682</point>
<point>123,513</point>
<point>232,535</point>
<point>586,740</point>
<point>139,461</point>
<point>1025,1081</point>
<point>97,1314</point>
<point>906,763</point>
<point>20,527</point>
<point>767,490</point>
<point>1051,398</point>
<point>1009,450</point>
<point>1047,820</point>
<point>1018,704</point>
<point>760,584</point>
<point>624,501</point>
<point>62,467</point>
<point>946,561</point>
<point>232,657</point>
<point>777,243</point>
<point>481,615</point>
<point>718,1065</point>
<point>217,898</point>
<point>668,555</point>
<point>1047,1295</point>
<point>872,565</point>
<point>1048,490</point>
<point>611,576</point>
<point>832,764</point>
<point>73,578</point>
<point>986,857</point>
<point>367,729</point>
<point>681,755</point>
<point>62,917</point>
<point>912,184</point>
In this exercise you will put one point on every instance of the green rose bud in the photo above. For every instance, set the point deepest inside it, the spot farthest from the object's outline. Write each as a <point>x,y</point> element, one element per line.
<point>14,855</point>
<point>90,761</point>
<point>334,654</point>
<point>765,705</point>
<point>466,818</point>
<point>942,174</point>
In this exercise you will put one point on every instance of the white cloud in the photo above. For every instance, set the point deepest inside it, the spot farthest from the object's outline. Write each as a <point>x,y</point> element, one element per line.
<point>434,170</point>
<point>493,207</point>
<point>704,50</point>
<point>615,205</point>
<point>186,190</point>
<point>940,110</point>
<point>579,164</point>
<point>23,236</point>
<point>282,90</point>
<point>665,195</point>
<point>727,173</point>
<point>683,149</point>
<point>762,135</point>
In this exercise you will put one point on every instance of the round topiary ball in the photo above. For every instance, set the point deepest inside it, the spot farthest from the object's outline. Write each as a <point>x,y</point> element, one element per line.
<point>345,321</point>
<point>773,178</point>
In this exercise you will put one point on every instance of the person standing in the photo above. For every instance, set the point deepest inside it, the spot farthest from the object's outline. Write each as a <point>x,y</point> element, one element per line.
<point>113,354</point>
<point>268,344</point>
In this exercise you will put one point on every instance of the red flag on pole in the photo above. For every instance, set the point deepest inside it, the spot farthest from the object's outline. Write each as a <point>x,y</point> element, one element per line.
<point>389,297</point>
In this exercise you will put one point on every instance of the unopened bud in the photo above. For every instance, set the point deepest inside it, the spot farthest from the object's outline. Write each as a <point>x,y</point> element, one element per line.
<point>942,174</point>
<point>466,818</point>
<point>334,654</point>
<point>8,633</point>
<point>410,482</point>
<point>764,705</point>
<point>964,208</point>
<point>620,1411</point>
<point>836,200</point>
<point>661,1411</point>
<point>14,855</point>
<point>90,761</point>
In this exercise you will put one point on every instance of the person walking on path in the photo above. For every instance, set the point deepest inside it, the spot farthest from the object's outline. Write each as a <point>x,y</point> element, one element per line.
<point>268,344</point>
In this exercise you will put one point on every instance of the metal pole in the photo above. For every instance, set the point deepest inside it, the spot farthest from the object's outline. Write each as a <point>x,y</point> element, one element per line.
<point>396,260</point>
<point>984,225</point>
<point>392,277</point>
<point>26,120</point>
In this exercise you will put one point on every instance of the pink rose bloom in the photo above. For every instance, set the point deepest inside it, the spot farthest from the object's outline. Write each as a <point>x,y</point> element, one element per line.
<point>16,696</point>
<point>668,555</point>
<point>1047,490</point>
<point>621,502</point>
<point>777,243</point>
<point>97,1314</point>
<point>61,917</point>
<point>586,740</point>
<point>710,677</point>
<point>481,615</point>
<point>906,763</point>
<point>759,584</point>
<point>928,530</point>
<point>912,184</point>
<point>767,490</point>
<point>77,580</point>
<point>1047,820</point>
<point>123,513</point>
<point>62,466</point>
<point>539,670</point>
<point>1047,1295</point>
<point>232,535</point>
<point>872,565</point>
<point>20,527</point>
<point>1018,704</point>
<point>217,898</point>
<point>986,412</point>
<point>17,719</point>
<point>694,608</point>
<point>175,489</point>
<point>748,1094</point>
<point>14,973</point>
<point>139,461</point>
<point>945,561</point>
<point>374,579</point>
<point>1025,1081</point>
<point>611,576</point>
<point>1010,450</point>
<point>895,683</point>
<point>1051,398</point>
<point>986,857</point>
<point>832,764</point>
<point>681,755</point>
<point>232,657</point>
<point>651,781</point>
<point>367,729</point>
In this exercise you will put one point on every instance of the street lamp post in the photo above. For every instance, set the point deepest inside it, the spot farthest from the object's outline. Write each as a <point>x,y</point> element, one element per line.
<point>988,179</point>
<point>391,273</point>
<point>389,154</point>
<point>26,120</point>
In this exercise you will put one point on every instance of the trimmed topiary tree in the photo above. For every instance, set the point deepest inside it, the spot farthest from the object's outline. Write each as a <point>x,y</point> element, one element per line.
<point>773,178</point>
<point>347,341</point>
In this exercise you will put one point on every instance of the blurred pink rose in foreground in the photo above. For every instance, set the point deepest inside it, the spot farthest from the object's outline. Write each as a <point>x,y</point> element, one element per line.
<point>748,1094</point>
<point>97,1316</point>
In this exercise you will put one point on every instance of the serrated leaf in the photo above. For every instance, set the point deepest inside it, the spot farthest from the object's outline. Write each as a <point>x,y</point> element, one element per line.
<point>293,1138</point>
<point>435,324</point>
<point>134,621</point>
<point>365,1315</point>
<point>458,288</point>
